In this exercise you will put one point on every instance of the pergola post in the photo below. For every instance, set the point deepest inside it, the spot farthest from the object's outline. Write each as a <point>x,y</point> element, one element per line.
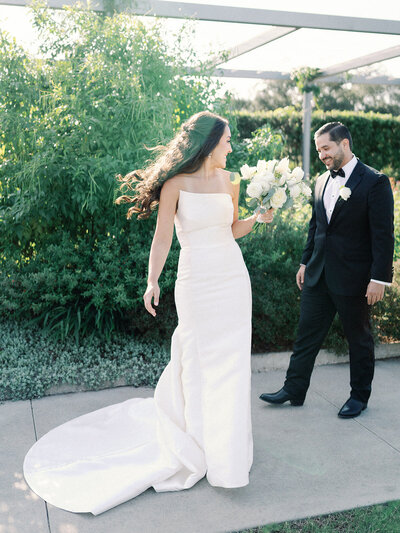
<point>307,103</point>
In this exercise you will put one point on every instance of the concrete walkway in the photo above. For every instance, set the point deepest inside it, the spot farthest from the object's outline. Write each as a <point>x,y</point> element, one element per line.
<point>307,461</point>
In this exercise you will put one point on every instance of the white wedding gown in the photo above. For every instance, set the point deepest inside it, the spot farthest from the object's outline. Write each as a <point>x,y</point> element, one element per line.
<point>199,421</point>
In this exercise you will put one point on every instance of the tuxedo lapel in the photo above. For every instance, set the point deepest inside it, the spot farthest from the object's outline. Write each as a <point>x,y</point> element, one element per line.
<point>319,197</point>
<point>351,184</point>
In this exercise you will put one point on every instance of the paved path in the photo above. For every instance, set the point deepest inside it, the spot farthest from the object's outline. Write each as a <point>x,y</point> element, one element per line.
<point>307,462</point>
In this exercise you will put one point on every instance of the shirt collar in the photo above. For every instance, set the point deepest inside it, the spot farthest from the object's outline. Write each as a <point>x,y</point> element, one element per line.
<point>349,167</point>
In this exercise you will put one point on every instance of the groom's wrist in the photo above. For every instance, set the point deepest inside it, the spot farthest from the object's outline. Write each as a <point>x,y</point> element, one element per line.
<point>386,283</point>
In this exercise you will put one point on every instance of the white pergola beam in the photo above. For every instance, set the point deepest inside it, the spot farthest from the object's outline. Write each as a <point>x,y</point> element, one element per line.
<point>275,75</point>
<point>362,80</point>
<point>243,15</point>
<point>363,61</point>
<point>258,74</point>
<point>268,36</point>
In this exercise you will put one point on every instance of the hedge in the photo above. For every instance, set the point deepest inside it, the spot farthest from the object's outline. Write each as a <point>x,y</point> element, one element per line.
<point>376,137</point>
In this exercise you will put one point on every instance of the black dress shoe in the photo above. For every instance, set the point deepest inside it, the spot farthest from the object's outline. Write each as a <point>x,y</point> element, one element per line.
<point>352,408</point>
<point>281,397</point>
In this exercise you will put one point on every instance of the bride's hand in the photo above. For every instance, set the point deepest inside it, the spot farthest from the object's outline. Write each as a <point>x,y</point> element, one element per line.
<point>266,217</point>
<point>153,290</point>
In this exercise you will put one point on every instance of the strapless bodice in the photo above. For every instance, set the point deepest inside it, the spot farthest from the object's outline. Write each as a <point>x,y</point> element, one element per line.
<point>204,220</point>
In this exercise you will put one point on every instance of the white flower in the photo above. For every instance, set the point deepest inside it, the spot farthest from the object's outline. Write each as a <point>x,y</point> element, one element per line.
<point>291,182</point>
<point>266,184</point>
<point>261,166</point>
<point>267,177</point>
<point>254,189</point>
<point>305,189</point>
<point>278,199</point>
<point>345,192</point>
<point>283,166</point>
<point>295,191</point>
<point>258,176</point>
<point>298,173</point>
<point>284,178</point>
<point>265,180</point>
<point>247,172</point>
<point>271,164</point>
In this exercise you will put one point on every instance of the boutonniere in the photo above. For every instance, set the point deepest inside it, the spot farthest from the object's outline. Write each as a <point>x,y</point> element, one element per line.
<point>344,192</point>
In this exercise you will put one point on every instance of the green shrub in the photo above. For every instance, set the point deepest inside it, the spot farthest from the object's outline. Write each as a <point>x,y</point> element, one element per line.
<point>397,223</point>
<point>262,143</point>
<point>82,287</point>
<point>272,258</point>
<point>70,125</point>
<point>386,314</point>
<point>106,87</point>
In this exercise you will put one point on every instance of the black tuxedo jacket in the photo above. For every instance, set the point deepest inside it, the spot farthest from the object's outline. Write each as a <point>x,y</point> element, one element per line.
<point>358,242</point>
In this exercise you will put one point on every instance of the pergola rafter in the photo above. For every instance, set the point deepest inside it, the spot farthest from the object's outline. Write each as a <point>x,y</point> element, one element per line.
<point>363,61</point>
<point>242,15</point>
<point>276,75</point>
<point>283,23</point>
<point>260,40</point>
<point>328,74</point>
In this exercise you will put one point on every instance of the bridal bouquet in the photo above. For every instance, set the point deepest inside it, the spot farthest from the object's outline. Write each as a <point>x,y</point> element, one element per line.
<point>274,185</point>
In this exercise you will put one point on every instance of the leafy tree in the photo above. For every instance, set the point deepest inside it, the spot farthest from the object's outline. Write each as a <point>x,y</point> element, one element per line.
<point>357,97</point>
<point>273,95</point>
<point>104,88</point>
<point>339,96</point>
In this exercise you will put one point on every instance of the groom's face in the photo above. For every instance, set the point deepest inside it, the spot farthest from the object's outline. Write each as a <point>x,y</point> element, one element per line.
<point>330,153</point>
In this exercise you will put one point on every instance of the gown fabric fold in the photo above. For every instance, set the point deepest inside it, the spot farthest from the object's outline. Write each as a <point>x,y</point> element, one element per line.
<point>199,421</point>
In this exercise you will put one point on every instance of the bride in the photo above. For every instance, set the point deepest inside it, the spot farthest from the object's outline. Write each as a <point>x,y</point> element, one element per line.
<point>199,421</point>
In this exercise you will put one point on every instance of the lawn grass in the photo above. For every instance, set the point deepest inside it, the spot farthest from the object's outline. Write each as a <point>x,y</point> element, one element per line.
<point>381,518</point>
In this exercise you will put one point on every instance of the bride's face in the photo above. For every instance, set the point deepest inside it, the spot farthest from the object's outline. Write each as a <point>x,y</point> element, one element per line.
<point>222,149</point>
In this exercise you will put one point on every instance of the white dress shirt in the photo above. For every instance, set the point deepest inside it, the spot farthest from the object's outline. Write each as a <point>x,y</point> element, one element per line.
<point>331,194</point>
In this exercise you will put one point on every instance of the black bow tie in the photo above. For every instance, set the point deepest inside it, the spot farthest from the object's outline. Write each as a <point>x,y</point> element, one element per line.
<point>335,173</point>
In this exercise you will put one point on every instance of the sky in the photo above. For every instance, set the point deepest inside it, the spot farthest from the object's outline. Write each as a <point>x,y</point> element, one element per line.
<point>313,48</point>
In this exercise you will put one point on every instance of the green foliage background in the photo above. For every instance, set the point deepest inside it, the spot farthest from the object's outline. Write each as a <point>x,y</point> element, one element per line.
<point>71,264</point>
<point>376,137</point>
<point>104,89</point>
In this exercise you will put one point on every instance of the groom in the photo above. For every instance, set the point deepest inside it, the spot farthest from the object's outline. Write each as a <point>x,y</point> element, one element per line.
<point>346,263</point>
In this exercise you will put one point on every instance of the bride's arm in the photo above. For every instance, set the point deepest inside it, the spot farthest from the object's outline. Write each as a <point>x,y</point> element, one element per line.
<point>161,243</point>
<point>240,228</point>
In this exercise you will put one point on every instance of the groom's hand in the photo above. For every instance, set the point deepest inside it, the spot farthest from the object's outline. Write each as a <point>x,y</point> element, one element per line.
<point>375,292</point>
<point>300,276</point>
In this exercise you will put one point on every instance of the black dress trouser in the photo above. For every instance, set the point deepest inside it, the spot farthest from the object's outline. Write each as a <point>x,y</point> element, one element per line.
<point>317,311</point>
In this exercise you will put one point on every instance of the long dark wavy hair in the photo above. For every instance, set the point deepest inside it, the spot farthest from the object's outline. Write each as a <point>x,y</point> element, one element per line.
<point>185,153</point>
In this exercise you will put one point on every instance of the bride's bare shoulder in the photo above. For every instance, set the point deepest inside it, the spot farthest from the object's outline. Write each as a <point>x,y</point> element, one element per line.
<point>173,184</point>
<point>226,176</point>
